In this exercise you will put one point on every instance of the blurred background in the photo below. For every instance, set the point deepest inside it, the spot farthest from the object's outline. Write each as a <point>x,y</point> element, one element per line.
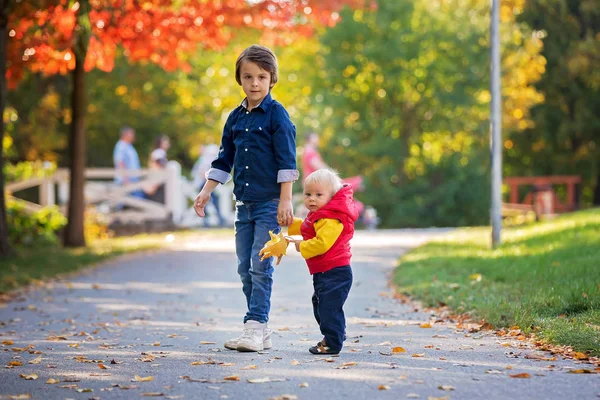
<point>398,92</point>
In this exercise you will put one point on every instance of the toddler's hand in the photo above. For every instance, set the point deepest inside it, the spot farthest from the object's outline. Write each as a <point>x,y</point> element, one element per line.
<point>297,244</point>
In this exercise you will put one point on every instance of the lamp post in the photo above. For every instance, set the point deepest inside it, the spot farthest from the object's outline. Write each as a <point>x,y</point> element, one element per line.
<point>496,125</point>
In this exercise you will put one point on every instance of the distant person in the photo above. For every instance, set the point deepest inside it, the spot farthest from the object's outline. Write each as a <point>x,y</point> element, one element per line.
<point>158,161</point>
<point>311,158</point>
<point>126,159</point>
<point>208,153</point>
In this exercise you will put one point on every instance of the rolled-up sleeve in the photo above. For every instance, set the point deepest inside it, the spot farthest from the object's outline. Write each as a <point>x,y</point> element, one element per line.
<point>284,144</point>
<point>220,170</point>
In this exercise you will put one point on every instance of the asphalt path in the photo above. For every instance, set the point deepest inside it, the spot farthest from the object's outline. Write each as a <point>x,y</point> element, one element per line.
<point>155,323</point>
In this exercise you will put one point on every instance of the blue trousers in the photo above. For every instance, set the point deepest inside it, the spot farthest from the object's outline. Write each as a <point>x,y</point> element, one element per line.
<point>331,291</point>
<point>253,221</point>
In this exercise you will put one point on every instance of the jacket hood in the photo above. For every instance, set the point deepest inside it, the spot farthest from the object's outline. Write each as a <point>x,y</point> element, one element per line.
<point>343,202</point>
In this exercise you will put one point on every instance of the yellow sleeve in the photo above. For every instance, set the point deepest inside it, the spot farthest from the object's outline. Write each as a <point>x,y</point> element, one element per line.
<point>328,231</point>
<point>294,228</point>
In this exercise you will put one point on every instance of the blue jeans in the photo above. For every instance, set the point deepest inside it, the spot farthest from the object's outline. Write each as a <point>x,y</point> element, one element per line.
<point>253,221</point>
<point>331,291</point>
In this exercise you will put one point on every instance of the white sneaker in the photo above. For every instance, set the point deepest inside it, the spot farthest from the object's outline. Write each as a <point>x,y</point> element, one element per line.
<point>253,337</point>
<point>232,344</point>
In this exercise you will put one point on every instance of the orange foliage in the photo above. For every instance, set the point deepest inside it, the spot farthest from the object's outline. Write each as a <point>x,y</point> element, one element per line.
<point>41,36</point>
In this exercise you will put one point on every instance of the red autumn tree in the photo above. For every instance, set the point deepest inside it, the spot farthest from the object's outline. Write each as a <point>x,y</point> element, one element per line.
<point>68,36</point>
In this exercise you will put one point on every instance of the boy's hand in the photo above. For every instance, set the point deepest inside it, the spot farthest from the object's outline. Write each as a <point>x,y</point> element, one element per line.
<point>297,244</point>
<point>200,202</point>
<point>285,213</point>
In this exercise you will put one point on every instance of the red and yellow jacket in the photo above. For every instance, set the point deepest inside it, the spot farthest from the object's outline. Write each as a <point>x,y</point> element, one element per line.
<point>327,232</point>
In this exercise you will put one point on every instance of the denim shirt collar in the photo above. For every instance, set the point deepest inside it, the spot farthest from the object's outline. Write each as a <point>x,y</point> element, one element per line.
<point>264,104</point>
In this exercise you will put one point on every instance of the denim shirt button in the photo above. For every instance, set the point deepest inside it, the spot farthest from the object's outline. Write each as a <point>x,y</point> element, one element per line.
<point>247,184</point>
<point>260,128</point>
<point>246,129</point>
<point>246,167</point>
<point>246,149</point>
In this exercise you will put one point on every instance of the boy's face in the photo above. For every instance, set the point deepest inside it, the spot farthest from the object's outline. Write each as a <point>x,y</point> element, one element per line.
<point>256,83</point>
<point>316,195</point>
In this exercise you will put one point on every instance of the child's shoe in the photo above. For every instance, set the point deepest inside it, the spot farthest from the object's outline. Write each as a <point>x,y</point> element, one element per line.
<point>322,348</point>
<point>232,344</point>
<point>253,337</point>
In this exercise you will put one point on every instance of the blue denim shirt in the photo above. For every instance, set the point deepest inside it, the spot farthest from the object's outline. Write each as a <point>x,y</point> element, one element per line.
<point>260,146</point>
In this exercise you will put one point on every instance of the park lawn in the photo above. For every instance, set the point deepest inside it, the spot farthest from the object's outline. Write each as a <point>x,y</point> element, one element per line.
<point>34,264</point>
<point>544,275</point>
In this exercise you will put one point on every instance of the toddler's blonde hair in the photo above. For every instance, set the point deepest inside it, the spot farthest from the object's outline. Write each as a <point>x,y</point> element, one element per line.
<point>325,177</point>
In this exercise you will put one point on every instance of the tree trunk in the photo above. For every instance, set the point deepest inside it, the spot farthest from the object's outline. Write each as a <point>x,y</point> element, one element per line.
<point>74,231</point>
<point>596,199</point>
<point>5,249</point>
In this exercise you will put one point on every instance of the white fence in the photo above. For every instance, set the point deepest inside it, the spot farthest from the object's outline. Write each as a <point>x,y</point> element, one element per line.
<point>117,204</point>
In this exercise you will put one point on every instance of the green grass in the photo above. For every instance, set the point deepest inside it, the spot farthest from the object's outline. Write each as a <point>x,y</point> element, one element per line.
<point>33,264</point>
<point>544,275</point>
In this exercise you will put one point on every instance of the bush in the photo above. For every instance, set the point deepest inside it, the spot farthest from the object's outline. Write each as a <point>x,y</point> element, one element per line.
<point>39,228</point>
<point>27,170</point>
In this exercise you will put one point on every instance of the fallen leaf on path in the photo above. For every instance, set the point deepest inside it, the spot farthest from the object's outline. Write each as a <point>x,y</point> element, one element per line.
<point>52,381</point>
<point>429,346</point>
<point>295,362</point>
<point>282,397</point>
<point>418,355</point>
<point>8,342</point>
<point>153,394</point>
<point>36,360</point>
<point>349,364</point>
<point>206,342</point>
<point>329,359</point>
<point>74,345</point>
<point>147,358</point>
<point>397,350</point>
<point>493,371</point>
<point>383,387</point>
<point>68,386</point>
<point>102,366</point>
<point>143,378</point>
<point>86,390</point>
<point>303,385</point>
<point>259,380</point>
<point>539,357</point>
<point>16,363</point>
<point>285,328</point>
<point>440,336</point>
<point>438,398</point>
<point>30,377</point>
<point>386,343</point>
<point>232,378</point>
<point>521,375</point>
<point>249,367</point>
<point>156,344</point>
<point>20,396</point>
<point>581,371</point>
<point>425,325</point>
<point>446,387</point>
<point>580,356</point>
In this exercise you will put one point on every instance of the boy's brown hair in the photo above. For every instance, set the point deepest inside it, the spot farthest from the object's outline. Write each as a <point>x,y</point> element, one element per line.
<point>261,56</point>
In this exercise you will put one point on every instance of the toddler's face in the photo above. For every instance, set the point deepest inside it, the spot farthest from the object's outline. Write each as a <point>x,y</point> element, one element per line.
<point>256,83</point>
<point>316,195</point>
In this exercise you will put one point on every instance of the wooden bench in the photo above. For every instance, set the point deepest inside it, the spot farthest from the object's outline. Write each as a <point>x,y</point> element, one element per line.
<point>541,198</point>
